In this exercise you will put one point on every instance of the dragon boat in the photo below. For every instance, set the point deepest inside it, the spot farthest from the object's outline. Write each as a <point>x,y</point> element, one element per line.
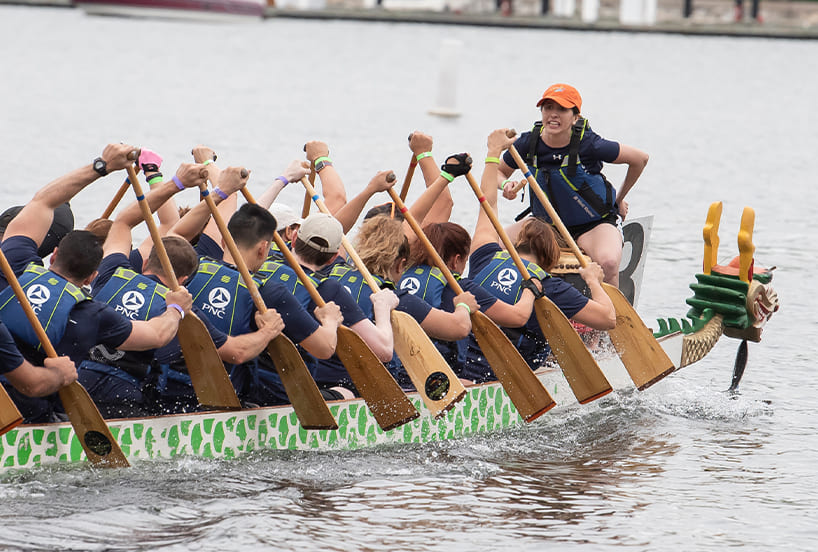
<point>734,300</point>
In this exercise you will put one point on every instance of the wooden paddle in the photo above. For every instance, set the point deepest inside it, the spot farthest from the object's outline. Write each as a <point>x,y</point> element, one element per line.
<point>10,417</point>
<point>207,373</point>
<point>524,388</point>
<point>578,365</point>
<point>304,395</point>
<point>99,445</point>
<point>385,399</point>
<point>410,172</point>
<point>643,357</point>
<point>433,378</point>
<point>116,199</point>
<point>305,207</point>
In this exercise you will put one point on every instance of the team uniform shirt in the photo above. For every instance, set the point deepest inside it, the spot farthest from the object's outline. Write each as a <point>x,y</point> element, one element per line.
<point>531,342</point>
<point>430,284</point>
<point>331,372</point>
<point>89,323</point>
<point>10,356</point>
<point>207,247</point>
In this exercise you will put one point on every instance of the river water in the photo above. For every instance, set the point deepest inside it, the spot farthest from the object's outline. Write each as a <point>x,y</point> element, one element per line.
<point>681,466</point>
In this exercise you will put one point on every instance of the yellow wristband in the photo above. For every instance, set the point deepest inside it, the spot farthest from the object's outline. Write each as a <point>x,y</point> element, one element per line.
<point>493,160</point>
<point>465,306</point>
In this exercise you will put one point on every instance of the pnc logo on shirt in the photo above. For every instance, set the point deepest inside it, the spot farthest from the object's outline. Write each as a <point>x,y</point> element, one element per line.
<point>37,295</point>
<point>506,278</point>
<point>412,285</point>
<point>130,304</point>
<point>217,301</point>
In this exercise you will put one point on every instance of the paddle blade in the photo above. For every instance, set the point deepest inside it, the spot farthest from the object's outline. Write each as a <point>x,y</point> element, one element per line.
<point>382,394</point>
<point>520,383</point>
<point>210,380</point>
<point>577,363</point>
<point>438,386</point>
<point>10,417</point>
<point>309,405</point>
<point>99,445</point>
<point>643,357</point>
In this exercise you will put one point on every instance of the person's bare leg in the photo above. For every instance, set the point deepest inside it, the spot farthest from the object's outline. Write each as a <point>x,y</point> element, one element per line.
<point>603,244</point>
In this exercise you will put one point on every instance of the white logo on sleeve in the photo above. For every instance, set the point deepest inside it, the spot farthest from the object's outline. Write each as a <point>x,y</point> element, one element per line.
<point>219,298</point>
<point>507,277</point>
<point>133,300</point>
<point>412,285</point>
<point>38,294</point>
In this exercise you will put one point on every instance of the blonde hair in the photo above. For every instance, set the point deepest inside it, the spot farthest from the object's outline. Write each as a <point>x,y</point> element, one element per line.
<point>380,243</point>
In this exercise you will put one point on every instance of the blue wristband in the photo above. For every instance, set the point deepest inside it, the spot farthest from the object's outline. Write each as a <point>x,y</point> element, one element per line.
<point>283,179</point>
<point>178,182</point>
<point>177,307</point>
<point>219,193</point>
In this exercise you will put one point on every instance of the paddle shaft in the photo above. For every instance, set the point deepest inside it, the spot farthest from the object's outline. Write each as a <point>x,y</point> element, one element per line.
<point>384,397</point>
<point>555,219</point>
<point>523,387</point>
<point>581,370</point>
<point>643,357</point>
<point>96,439</point>
<point>410,172</point>
<point>304,395</point>
<point>207,373</point>
<point>420,357</point>
<point>116,199</point>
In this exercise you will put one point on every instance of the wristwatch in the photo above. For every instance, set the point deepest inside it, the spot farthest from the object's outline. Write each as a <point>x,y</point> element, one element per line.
<point>100,166</point>
<point>321,164</point>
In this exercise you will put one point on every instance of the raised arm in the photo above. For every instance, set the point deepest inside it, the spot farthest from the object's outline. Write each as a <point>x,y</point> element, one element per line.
<point>195,220</point>
<point>332,186</point>
<point>119,237</point>
<point>441,208</point>
<point>36,217</point>
<point>294,172</point>
<point>348,214</point>
<point>484,231</point>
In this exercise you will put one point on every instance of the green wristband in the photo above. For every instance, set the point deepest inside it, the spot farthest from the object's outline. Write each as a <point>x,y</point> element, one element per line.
<point>465,306</point>
<point>446,175</point>
<point>325,159</point>
<point>493,160</point>
<point>207,162</point>
<point>155,180</point>
<point>423,155</point>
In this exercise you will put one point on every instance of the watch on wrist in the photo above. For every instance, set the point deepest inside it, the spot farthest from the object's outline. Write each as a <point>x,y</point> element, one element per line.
<point>321,164</point>
<point>100,166</point>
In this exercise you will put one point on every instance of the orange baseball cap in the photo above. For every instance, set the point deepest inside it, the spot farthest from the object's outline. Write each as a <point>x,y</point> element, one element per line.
<point>564,94</point>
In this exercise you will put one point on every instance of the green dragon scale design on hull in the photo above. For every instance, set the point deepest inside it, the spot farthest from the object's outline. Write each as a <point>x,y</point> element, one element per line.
<point>231,434</point>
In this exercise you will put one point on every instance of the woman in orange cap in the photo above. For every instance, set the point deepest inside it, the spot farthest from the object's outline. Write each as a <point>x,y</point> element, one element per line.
<point>567,161</point>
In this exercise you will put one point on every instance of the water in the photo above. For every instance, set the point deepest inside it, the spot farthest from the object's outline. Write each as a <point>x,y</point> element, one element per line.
<point>680,466</point>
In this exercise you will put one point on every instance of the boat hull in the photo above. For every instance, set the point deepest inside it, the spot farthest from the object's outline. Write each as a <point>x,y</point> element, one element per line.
<point>229,434</point>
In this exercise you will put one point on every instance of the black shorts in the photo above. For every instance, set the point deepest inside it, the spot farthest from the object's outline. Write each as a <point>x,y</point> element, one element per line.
<point>580,229</point>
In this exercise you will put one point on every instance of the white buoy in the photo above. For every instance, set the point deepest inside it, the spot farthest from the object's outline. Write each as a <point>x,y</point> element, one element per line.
<point>450,58</point>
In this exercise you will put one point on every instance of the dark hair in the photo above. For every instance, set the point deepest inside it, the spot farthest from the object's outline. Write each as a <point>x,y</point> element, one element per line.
<point>100,228</point>
<point>537,238</point>
<point>389,209</point>
<point>251,224</point>
<point>448,238</point>
<point>79,256</point>
<point>310,254</point>
<point>183,258</point>
<point>62,222</point>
